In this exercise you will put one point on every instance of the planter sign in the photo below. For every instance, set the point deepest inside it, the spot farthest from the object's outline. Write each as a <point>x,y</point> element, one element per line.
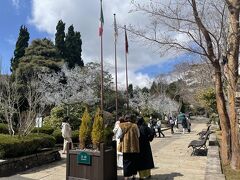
<point>84,158</point>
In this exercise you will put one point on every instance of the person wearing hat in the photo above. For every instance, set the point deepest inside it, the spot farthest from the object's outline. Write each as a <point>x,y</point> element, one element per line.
<point>128,133</point>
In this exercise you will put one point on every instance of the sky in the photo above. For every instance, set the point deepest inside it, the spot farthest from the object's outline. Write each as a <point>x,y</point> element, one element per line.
<point>41,17</point>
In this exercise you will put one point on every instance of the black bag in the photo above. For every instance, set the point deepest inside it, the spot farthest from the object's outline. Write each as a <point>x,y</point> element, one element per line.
<point>151,134</point>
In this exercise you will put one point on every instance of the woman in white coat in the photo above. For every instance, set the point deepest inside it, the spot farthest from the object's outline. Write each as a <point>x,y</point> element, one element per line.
<point>66,134</point>
<point>119,154</point>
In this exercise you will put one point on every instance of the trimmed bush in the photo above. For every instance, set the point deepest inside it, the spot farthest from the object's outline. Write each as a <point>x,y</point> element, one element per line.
<point>85,130</point>
<point>3,128</point>
<point>45,130</point>
<point>57,134</point>
<point>55,118</point>
<point>108,134</point>
<point>13,146</point>
<point>97,130</point>
<point>75,136</point>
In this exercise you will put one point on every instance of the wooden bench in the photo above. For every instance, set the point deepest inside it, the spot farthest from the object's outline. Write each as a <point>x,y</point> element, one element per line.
<point>198,145</point>
<point>203,132</point>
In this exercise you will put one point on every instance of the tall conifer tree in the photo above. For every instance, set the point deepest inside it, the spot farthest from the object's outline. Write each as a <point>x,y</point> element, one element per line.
<point>73,45</point>
<point>21,45</point>
<point>60,38</point>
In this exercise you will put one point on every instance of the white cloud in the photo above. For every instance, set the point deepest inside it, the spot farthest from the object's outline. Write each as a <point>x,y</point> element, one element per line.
<point>84,15</point>
<point>16,3</point>
<point>10,40</point>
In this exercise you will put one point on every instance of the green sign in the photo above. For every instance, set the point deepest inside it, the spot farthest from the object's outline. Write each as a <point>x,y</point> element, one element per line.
<point>84,158</point>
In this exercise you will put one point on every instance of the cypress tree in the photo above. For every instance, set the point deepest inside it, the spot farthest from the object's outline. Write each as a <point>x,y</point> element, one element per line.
<point>73,45</point>
<point>78,41</point>
<point>21,45</point>
<point>85,129</point>
<point>60,37</point>
<point>98,129</point>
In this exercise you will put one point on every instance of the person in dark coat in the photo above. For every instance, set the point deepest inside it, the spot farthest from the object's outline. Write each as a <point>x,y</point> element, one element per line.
<point>183,120</point>
<point>145,160</point>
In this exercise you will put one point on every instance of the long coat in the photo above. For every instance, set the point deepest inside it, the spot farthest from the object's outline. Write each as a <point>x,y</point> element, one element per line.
<point>145,160</point>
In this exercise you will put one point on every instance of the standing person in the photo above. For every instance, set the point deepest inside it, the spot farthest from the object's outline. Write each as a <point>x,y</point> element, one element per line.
<point>188,124</point>
<point>145,160</point>
<point>66,134</point>
<point>182,119</point>
<point>119,154</point>
<point>159,128</point>
<point>153,125</point>
<point>129,146</point>
<point>171,122</point>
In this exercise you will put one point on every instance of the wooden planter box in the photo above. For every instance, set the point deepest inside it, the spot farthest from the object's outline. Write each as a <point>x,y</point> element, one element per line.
<point>97,165</point>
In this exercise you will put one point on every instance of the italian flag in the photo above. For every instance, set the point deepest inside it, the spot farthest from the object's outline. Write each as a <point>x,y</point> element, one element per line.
<point>101,21</point>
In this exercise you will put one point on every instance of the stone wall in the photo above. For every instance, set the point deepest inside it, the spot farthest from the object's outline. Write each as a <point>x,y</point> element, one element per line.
<point>213,168</point>
<point>15,165</point>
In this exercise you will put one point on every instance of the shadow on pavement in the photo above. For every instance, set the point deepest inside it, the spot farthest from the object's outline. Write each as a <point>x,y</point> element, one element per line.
<point>159,176</point>
<point>165,176</point>
<point>45,167</point>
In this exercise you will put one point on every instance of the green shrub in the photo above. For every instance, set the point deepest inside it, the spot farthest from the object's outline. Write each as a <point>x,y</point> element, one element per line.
<point>57,134</point>
<point>108,134</point>
<point>85,130</point>
<point>44,130</point>
<point>13,146</point>
<point>75,136</point>
<point>3,128</point>
<point>97,130</point>
<point>55,118</point>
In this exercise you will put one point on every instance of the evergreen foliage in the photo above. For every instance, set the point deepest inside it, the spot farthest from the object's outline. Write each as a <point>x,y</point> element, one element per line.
<point>73,44</point>
<point>13,146</point>
<point>207,98</point>
<point>130,90</point>
<point>98,129</point>
<point>21,45</point>
<point>55,119</point>
<point>85,129</point>
<point>41,55</point>
<point>60,38</point>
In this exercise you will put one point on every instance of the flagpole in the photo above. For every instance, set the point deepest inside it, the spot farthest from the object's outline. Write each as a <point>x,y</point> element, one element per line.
<point>101,47</point>
<point>101,39</point>
<point>126,58</point>
<point>115,51</point>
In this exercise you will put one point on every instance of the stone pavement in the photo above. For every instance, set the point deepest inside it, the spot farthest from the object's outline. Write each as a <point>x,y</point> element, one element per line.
<point>172,158</point>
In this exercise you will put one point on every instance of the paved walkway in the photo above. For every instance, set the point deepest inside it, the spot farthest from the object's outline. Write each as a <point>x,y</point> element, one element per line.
<point>172,158</point>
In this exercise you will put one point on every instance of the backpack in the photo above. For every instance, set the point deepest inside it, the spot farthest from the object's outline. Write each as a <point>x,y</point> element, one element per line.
<point>151,134</point>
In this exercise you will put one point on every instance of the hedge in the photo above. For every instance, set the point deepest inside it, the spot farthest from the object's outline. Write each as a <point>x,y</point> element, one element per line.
<point>57,134</point>
<point>59,139</point>
<point>44,129</point>
<point>3,128</point>
<point>14,146</point>
<point>75,136</point>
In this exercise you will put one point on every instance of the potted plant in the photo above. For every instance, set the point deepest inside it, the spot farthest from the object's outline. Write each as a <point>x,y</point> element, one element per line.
<point>85,129</point>
<point>98,163</point>
<point>97,130</point>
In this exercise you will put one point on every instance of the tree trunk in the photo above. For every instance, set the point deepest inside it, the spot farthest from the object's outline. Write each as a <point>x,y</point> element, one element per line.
<point>225,149</point>
<point>233,54</point>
